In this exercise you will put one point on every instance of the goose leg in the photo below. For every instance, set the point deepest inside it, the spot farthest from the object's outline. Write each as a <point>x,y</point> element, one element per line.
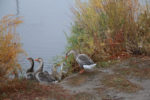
<point>82,71</point>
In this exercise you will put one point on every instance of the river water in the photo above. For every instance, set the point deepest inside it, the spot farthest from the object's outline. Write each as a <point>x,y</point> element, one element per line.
<point>42,33</point>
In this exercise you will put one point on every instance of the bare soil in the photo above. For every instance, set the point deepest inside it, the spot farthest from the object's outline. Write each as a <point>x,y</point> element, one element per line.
<point>127,80</point>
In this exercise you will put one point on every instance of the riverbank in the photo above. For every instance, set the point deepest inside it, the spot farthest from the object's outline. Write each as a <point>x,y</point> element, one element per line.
<point>127,80</point>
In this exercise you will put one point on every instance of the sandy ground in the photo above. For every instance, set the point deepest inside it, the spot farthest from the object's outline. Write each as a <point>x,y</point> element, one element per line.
<point>88,86</point>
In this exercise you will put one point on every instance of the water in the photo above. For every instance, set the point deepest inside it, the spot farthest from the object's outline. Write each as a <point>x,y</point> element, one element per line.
<point>45,21</point>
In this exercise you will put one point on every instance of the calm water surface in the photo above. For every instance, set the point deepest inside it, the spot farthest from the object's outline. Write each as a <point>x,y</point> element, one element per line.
<point>45,21</point>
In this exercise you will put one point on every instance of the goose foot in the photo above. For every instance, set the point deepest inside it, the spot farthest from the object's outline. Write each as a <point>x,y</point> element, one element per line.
<point>82,71</point>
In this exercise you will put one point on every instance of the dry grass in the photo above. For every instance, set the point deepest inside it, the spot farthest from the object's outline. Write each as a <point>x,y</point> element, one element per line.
<point>84,96</point>
<point>135,67</point>
<point>29,90</point>
<point>136,72</point>
<point>120,83</point>
<point>77,80</point>
<point>10,46</point>
<point>80,79</point>
<point>106,29</point>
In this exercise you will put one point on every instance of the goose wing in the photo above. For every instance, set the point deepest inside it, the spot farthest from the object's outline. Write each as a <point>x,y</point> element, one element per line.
<point>49,76</point>
<point>30,76</point>
<point>44,77</point>
<point>84,59</point>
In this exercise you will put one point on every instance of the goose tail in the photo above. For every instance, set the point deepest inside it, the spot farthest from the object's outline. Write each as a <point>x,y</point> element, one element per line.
<point>89,66</point>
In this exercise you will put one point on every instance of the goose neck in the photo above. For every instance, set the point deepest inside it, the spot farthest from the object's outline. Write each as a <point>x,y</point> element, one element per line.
<point>40,67</point>
<point>74,53</point>
<point>32,65</point>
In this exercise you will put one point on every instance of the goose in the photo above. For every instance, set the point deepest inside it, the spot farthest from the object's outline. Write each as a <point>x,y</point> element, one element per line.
<point>62,68</point>
<point>85,62</point>
<point>59,72</point>
<point>56,74</point>
<point>30,71</point>
<point>43,77</point>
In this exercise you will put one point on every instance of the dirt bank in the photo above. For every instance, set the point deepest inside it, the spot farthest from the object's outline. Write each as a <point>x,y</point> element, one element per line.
<point>127,80</point>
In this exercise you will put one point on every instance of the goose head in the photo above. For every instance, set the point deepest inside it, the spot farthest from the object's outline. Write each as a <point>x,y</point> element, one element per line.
<point>39,60</point>
<point>74,52</point>
<point>30,59</point>
<point>41,64</point>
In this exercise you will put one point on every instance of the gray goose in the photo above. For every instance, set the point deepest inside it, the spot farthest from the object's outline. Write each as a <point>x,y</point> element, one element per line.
<point>85,62</point>
<point>59,72</point>
<point>30,71</point>
<point>43,77</point>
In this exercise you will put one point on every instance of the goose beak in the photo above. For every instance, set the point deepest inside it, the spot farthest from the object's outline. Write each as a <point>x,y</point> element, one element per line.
<point>36,60</point>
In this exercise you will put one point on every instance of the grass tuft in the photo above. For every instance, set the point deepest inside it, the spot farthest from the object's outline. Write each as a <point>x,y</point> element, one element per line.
<point>120,83</point>
<point>84,96</point>
<point>81,79</point>
<point>136,72</point>
<point>22,89</point>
